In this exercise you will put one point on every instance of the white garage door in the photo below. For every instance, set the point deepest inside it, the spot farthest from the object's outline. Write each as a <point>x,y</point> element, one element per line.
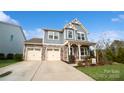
<point>34,54</point>
<point>53,54</point>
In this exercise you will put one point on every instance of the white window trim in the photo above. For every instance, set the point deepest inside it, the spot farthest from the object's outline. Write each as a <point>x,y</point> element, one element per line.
<point>75,35</point>
<point>68,34</point>
<point>53,33</point>
<point>80,35</point>
<point>53,49</point>
<point>85,50</point>
<point>57,35</point>
<point>49,34</point>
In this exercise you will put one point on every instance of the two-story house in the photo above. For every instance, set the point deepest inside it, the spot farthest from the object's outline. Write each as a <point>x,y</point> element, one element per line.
<point>59,44</point>
<point>11,38</point>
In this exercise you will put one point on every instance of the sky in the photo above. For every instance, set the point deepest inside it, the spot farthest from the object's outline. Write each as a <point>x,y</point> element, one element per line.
<point>102,24</point>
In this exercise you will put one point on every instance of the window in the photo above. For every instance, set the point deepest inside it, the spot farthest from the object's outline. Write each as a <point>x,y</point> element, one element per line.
<point>82,51</point>
<point>50,35</point>
<point>11,38</point>
<point>56,35</point>
<point>70,34</point>
<point>30,48</point>
<point>86,53</point>
<point>80,36</point>
<point>53,35</point>
<point>49,49</point>
<point>37,49</point>
<point>56,49</point>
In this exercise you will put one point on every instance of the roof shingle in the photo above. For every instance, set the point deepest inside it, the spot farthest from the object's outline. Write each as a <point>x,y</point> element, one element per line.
<point>34,40</point>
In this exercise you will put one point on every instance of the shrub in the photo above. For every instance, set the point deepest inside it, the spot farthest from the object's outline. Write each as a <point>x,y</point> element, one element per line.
<point>71,59</point>
<point>81,64</point>
<point>110,55</point>
<point>10,56</point>
<point>2,56</point>
<point>18,57</point>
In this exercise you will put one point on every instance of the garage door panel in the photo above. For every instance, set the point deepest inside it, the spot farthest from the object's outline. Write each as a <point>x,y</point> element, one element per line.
<point>34,54</point>
<point>53,54</point>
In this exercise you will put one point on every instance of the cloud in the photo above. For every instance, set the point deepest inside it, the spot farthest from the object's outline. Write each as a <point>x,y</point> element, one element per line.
<point>109,34</point>
<point>7,18</point>
<point>119,18</point>
<point>115,19</point>
<point>36,33</point>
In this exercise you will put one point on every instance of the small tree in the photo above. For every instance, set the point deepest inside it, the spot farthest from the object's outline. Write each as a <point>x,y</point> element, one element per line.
<point>120,55</point>
<point>104,50</point>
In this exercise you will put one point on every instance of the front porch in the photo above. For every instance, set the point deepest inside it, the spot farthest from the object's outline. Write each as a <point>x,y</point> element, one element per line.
<point>79,50</point>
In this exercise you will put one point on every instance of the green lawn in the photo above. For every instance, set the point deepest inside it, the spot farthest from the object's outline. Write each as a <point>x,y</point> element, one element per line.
<point>4,63</point>
<point>105,73</point>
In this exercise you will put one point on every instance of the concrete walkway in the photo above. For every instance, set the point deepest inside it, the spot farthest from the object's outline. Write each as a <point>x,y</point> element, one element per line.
<point>59,71</point>
<point>43,71</point>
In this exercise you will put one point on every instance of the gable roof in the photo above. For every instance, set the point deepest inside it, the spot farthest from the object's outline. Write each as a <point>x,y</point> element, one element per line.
<point>9,23</point>
<point>14,25</point>
<point>34,40</point>
<point>71,25</point>
<point>75,22</point>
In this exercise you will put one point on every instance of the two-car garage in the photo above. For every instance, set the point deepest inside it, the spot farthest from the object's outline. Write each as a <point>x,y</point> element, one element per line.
<point>35,54</point>
<point>36,51</point>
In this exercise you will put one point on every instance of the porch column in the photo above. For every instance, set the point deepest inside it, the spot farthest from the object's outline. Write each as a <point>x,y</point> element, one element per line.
<point>95,51</point>
<point>79,51</point>
<point>68,52</point>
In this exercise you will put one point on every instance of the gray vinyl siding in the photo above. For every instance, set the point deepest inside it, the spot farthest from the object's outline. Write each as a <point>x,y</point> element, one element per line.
<point>60,41</point>
<point>63,36</point>
<point>74,34</point>
<point>80,29</point>
<point>6,44</point>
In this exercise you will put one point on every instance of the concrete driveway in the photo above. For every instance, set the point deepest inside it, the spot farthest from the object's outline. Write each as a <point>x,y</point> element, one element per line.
<point>59,71</point>
<point>44,71</point>
<point>21,71</point>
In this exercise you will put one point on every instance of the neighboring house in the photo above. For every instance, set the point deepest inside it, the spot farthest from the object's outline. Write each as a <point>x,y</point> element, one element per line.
<point>11,38</point>
<point>59,44</point>
<point>117,44</point>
